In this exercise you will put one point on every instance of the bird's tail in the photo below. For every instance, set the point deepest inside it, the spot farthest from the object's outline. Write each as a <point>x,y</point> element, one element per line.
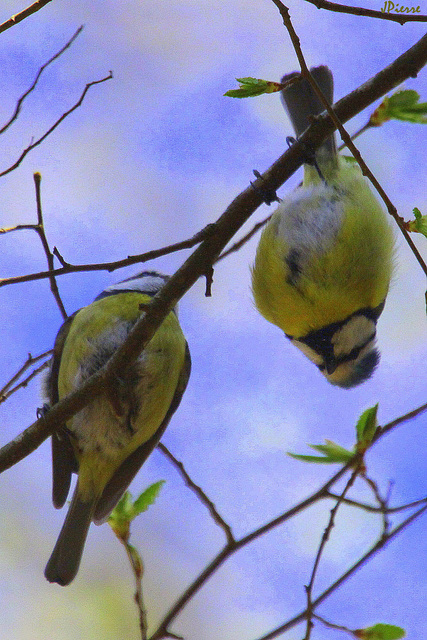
<point>64,562</point>
<point>301,102</point>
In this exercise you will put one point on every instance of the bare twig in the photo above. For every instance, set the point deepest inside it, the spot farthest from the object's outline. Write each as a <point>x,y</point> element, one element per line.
<point>369,13</point>
<point>205,233</point>
<point>138,571</point>
<point>382,502</point>
<point>382,542</point>
<point>244,239</point>
<point>357,133</point>
<point>233,547</point>
<point>284,12</point>
<point>36,143</point>
<point>121,528</point>
<point>18,227</point>
<point>36,79</point>
<point>41,233</point>
<point>407,416</point>
<point>200,493</point>
<point>39,229</point>
<point>33,374</point>
<point>374,509</point>
<point>325,538</point>
<point>18,17</point>
<point>331,625</point>
<point>27,364</point>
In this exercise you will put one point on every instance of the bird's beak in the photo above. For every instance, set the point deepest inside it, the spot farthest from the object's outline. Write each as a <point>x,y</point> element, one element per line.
<point>331,365</point>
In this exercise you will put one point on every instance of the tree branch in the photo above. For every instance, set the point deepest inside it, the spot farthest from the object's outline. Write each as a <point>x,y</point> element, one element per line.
<point>104,266</point>
<point>18,17</point>
<point>382,542</point>
<point>199,493</point>
<point>324,540</point>
<point>7,389</point>
<point>35,144</point>
<point>49,256</point>
<point>368,13</point>
<point>36,79</point>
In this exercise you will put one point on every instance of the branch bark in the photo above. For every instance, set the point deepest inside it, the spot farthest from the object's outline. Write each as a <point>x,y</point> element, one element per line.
<point>18,17</point>
<point>368,13</point>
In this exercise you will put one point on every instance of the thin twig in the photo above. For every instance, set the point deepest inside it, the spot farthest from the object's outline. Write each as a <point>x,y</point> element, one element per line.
<point>407,416</point>
<point>382,542</point>
<point>382,502</point>
<point>331,625</point>
<point>23,383</point>
<point>200,493</point>
<point>244,239</point>
<point>18,227</point>
<point>55,125</point>
<point>232,548</point>
<point>138,571</point>
<point>324,540</point>
<point>357,133</point>
<point>205,233</point>
<point>36,79</point>
<point>121,529</point>
<point>49,257</point>
<point>369,13</point>
<point>27,364</point>
<point>373,509</point>
<point>18,17</point>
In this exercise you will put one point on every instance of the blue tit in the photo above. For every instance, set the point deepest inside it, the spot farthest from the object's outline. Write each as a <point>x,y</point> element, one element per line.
<point>107,442</point>
<point>324,261</point>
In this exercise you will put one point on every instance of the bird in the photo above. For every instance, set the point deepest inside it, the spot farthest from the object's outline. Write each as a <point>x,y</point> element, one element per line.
<point>108,440</point>
<point>324,261</point>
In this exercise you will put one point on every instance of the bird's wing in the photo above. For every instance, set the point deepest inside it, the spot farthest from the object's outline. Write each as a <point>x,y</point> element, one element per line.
<point>63,460</point>
<point>124,475</point>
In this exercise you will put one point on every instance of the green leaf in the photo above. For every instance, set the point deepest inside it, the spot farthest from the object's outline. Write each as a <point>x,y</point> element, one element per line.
<point>250,87</point>
<point>127,510</point>
<point>380,632</point>
<point>419,224</point>
<point>315,459</point>
<point>349,159</point>
<point>402,105</point>
<point>123,508</point>
<point>147,498</point>
<point>366,426</point>
<point>332,452</point>
<point>121,516</point>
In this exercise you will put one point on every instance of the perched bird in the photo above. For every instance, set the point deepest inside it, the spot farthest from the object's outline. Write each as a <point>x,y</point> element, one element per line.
<point>107,442</point>
<point>324,261</point>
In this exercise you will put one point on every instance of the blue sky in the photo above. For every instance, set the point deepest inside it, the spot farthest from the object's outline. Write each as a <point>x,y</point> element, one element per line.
<point>150,158</point>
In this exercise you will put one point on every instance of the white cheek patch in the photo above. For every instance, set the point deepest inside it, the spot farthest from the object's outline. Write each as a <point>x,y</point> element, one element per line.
<point>309,352</point>
<point>353,334</point>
